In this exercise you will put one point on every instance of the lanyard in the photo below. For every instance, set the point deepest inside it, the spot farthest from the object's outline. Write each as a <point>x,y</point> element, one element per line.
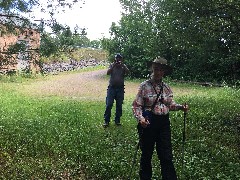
<point>158,94</point>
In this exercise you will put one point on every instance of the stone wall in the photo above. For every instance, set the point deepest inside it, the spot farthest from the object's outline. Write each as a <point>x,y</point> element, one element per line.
<point>71,65</point>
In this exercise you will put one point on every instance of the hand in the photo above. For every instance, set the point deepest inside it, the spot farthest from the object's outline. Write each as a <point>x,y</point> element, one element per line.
<point>114,64</point>
<point>185,107</point>
<point>144,123</point>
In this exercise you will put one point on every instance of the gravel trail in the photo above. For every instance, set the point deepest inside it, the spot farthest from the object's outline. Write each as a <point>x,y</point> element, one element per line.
<point>90,85</point>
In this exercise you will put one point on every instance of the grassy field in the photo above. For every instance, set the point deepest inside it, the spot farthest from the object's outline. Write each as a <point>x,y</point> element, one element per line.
<point>60,137</point>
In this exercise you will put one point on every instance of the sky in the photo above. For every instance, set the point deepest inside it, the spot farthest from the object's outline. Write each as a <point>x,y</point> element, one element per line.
<point>95,15</point>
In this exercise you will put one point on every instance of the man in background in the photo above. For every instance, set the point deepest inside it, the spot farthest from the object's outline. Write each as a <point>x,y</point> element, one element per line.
<point>117,71</point>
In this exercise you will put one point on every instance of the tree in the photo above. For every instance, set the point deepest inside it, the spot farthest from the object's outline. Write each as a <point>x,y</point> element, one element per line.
<point>190,34</point>
<point>95,44</point>
<point>209,34</point>
<point>62,38</point>
<point>137,36</point>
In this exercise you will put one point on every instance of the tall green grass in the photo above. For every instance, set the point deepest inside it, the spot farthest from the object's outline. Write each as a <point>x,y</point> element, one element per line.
<point>59,138</point>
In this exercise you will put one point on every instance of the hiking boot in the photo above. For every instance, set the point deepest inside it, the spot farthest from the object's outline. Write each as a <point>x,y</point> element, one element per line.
<point>106,124</point>
<point>118,124</point>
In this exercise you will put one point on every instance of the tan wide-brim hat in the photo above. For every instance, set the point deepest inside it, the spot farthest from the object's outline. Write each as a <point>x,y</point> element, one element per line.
<point>163,64</point>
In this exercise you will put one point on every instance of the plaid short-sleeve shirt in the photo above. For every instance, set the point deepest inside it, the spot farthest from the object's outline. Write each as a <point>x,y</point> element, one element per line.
<point>146,96</point>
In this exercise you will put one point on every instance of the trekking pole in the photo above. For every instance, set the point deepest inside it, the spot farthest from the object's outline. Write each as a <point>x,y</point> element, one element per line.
<point>184,136</point>
<point>238,137</point>
<point>135,155</point>
<point>134,160</point>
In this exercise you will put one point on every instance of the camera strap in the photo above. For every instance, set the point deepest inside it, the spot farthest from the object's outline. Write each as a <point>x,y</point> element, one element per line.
<point>158,94</point>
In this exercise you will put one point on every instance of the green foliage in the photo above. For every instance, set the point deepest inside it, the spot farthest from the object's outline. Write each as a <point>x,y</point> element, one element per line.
<point>65,41</point>
<point>26,5</point>
<point>207,33</point>
<point>61,138</point>
<point>20,5</point>
<point>16,48</point>
<point>189,34</point>
<point>95,44</point>
<point>62,39</point>
<point>77,55</point>
<point>48,45</point>
<point>88,53</point>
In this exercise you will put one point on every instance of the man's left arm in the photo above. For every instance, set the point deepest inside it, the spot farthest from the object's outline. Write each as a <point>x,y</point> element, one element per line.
<point>126,70</point>
<point>173,106</point>
<point>168,99</point>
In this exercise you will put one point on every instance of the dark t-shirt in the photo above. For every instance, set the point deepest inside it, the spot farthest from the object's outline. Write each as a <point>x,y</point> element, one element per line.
<point>117,76</point>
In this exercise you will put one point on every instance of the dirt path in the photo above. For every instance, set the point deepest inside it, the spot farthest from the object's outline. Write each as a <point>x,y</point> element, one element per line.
<point>85,85</point>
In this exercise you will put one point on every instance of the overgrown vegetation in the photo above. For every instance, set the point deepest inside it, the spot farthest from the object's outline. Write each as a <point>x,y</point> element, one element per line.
<point>200,39</point>
<point>61,138</point>
<point>77,55</point>
<point>65,41</point>
<point>57,40</point>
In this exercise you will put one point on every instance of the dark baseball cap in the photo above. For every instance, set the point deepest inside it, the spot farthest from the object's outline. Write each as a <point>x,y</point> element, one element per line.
<point>118,55</point>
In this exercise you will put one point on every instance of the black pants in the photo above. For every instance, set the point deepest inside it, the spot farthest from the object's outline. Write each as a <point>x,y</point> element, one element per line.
<point>159,133</point>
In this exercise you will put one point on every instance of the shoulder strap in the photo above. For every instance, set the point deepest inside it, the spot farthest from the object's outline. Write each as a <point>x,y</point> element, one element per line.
<point>158,94</point>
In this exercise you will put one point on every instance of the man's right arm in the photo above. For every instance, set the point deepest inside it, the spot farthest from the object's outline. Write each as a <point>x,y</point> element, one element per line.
<point>110,69</point>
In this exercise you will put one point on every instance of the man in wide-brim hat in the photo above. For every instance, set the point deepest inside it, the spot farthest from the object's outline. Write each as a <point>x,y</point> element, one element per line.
<point>151,108</point>
<point>161,63</point>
